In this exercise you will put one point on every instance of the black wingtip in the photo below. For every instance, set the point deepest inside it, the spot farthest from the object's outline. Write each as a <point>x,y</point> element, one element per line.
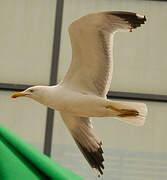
<point>134,19</point>
<point>95,159</point>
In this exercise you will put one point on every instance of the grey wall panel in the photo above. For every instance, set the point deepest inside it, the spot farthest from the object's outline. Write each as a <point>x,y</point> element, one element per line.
<point>24,117</point>
<point>26,40</point>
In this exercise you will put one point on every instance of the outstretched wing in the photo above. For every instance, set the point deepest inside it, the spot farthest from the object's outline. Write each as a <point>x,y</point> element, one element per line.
<point>90,146</point>
<point>91,39</point>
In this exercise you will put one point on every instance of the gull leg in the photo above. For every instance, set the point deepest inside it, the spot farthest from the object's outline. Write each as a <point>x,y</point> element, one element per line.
<point>128,113</point>
<point>124,112</point>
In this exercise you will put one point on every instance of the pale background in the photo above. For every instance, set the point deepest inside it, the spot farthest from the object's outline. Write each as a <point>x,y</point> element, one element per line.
<point>26,39</point>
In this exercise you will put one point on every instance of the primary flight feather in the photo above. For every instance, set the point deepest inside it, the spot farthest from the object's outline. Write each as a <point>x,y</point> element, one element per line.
<point>82,93</point>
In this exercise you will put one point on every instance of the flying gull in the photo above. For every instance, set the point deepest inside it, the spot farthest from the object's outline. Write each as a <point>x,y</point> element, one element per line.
<point>82,93</point>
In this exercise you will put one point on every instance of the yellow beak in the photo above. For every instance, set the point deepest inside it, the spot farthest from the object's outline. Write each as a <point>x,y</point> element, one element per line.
<point>17,94</point>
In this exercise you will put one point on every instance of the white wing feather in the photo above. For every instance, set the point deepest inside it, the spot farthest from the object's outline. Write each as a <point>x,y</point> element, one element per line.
<point>91,39</point>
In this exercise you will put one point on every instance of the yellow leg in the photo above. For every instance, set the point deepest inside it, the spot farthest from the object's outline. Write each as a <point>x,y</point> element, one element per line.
<point>124,112</point>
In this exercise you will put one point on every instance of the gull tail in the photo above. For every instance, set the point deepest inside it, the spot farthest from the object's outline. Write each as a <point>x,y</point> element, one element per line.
<point>130,112</point>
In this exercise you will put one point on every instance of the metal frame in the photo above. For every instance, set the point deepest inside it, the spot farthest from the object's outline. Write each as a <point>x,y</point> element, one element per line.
<point>53,80</point>
<point>53,76</point>
<point>136,96</point>
<point>13,87</point>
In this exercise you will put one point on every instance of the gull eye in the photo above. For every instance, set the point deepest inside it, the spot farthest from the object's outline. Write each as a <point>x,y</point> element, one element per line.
<point>31,90</point>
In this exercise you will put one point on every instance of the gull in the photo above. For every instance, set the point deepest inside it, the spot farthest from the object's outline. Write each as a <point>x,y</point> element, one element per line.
<point>82,93</point>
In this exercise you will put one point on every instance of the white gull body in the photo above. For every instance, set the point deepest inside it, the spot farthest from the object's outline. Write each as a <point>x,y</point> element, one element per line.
<point>82,93</point>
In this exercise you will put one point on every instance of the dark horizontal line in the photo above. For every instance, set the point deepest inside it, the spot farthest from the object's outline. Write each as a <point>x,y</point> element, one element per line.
<point>13,87</point>
<point>111,94</point>
<point>156,0</point>
<point>137,96</point>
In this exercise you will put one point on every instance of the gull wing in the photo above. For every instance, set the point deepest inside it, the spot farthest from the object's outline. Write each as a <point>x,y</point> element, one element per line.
<point>92,41</point>
<point>82,131</point>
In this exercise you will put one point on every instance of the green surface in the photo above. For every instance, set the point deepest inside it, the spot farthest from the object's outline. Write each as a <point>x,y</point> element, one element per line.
<point>19,160</point>
<point>14,166</point>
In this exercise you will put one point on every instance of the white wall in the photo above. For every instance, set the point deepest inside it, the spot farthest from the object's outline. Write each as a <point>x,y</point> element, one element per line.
<point>26,40</point>
<point>24,117</point>
<point>26,35</point>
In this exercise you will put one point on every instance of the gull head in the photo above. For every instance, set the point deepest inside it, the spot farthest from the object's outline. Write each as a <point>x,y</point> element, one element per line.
<point>33,92</point>
<point>42,94</point>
